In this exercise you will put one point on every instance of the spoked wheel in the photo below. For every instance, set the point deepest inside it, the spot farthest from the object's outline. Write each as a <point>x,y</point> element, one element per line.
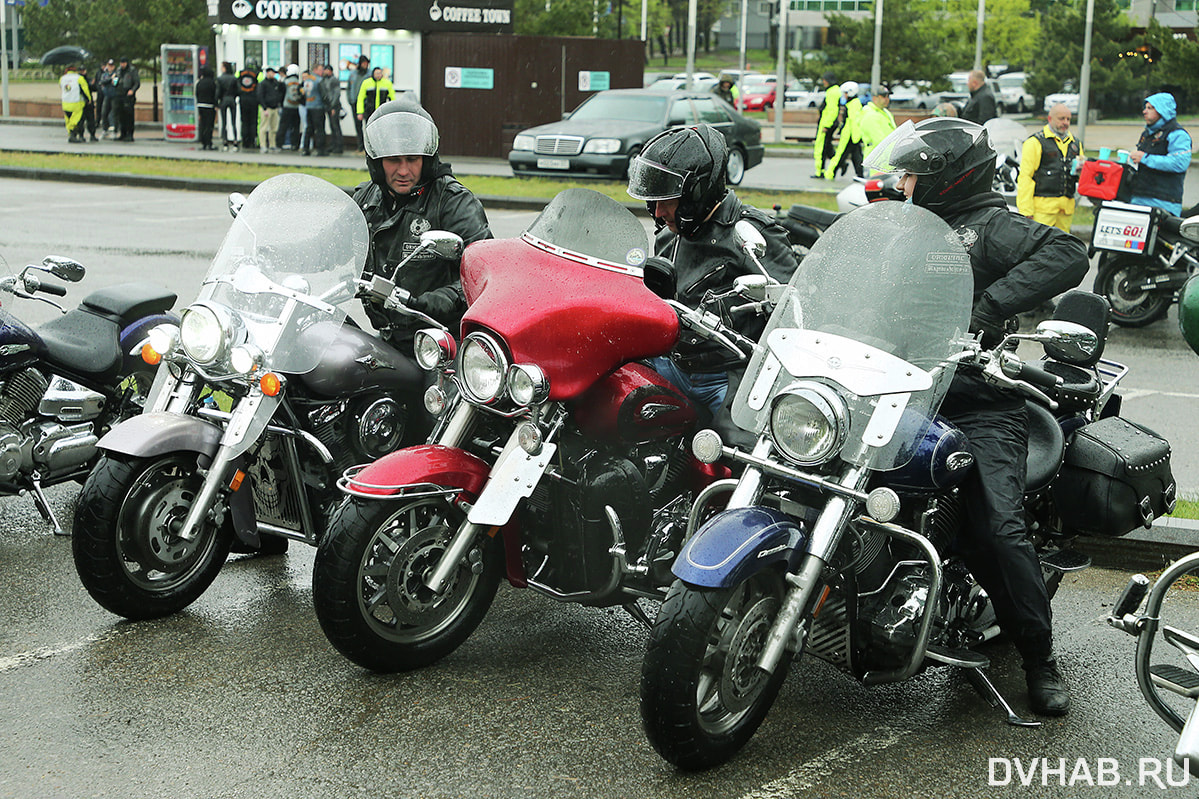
<point>1119,280</point>
<point>702,695</point>
<point>125,541</point>
<point>368,583</point>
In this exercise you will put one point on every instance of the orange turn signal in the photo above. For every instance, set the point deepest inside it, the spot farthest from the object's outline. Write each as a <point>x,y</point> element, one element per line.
<point>151,355</point>
<point>271,384</point>
<point>235,483</point>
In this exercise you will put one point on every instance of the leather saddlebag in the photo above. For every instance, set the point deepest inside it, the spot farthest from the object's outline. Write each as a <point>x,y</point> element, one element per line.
<point>1116,478</point>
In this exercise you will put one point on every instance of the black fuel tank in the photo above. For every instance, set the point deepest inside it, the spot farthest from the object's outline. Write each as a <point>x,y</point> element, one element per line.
<point>356,361</point>
<point>20,345</point>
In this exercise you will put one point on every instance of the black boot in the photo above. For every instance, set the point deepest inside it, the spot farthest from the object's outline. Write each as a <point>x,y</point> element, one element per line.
<point>1047,691</point>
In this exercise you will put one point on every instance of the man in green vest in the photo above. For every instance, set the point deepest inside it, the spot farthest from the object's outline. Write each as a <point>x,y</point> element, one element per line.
<point>1045,186</point>
<point>876,121</point>
<point>849,146</point>
<point>830,115</point>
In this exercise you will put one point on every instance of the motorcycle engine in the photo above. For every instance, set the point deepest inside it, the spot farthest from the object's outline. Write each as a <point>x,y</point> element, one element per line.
<point>28,441</point>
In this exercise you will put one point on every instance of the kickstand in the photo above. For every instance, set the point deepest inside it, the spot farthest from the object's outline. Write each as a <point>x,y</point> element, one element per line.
<point>634,610</point>
<point>984,686</point>
<point>43,506</point>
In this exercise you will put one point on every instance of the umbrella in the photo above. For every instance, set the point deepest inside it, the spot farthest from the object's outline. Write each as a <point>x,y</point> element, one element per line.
<point>67,54</point>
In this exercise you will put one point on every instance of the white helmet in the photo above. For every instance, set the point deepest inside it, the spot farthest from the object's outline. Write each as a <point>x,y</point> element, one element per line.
<point>850,87</point>
<point>293,69</point>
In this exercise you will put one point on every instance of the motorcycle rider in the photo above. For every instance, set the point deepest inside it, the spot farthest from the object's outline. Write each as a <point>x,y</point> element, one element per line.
<point>680,174</point>
<point>948,166</point>
<point>409,192</point>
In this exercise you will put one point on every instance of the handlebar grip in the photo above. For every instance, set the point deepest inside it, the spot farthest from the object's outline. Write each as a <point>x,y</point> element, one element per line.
<point>1037,376</point>
<point>51,288</point>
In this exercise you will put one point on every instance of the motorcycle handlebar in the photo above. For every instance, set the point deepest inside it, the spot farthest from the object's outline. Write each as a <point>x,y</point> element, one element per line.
<point>1037,376</point>
<point>51,288</point>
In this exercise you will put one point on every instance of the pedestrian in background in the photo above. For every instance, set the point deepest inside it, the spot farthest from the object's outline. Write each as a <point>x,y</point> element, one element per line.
<point>105,99</point>
<point>74,98</point>
<point>726,89</point>
<point>375,91</point>
<point>849,147</point>
<point>830,115</point>
<point>206,106</point>
<point>353,86</point>
<point>1162,156</point>
<point>89,107</point>
<point>289,114</point>
<point>981,106</point>
<point>945,110</point>
<point>1046,183</point>
<point>330,89</point>
<point>127,83</point>
<point>247,104</point>
<point>314,112</point>
<point>876,121</point>
<point>226,96</point>
<point>270,98</point>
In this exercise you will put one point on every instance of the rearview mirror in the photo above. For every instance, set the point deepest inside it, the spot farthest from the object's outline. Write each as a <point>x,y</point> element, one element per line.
<point>443,243</point>
<point>236,201</point>
<point>659,277</point>
<point>64,268</point>
<point>1067,341</point>
<point>1189,229</point>
<point>751,238</point>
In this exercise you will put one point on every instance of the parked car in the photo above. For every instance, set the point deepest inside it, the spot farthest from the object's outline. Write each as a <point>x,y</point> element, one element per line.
<point>1069,98</point>
<point>757,92</point>
<point>1012,95</point>
<point>802,94</point>
<point>701,81</point>
<point>599,137</point>
<point>913,94</point>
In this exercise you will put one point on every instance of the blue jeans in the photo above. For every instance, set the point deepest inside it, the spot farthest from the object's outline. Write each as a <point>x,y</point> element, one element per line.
<point>703,388</point>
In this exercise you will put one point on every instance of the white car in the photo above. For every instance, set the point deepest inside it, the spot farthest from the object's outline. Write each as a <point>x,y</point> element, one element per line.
<point>912,94</point>
<point>1069,98</point>
<point>802,94</point>
<point>1012,94</point>
<point>701,81</point>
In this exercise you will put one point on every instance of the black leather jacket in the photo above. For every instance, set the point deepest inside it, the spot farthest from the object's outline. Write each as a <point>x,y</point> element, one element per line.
<point>1018,264</point>
<point>709,262</point>
<point>396,224</point>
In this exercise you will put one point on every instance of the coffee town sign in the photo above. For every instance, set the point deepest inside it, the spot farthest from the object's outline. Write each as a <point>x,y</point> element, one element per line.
<point>417,15</point>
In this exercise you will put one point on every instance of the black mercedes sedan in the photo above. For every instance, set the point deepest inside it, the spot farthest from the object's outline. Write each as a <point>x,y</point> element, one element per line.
<point>599,137</point>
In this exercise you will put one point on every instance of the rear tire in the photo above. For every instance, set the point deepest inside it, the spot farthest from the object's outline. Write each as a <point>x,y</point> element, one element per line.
<point>1131,307</point>
<point>702,696</point>
<point>368,583</point>
<point>124,544</point>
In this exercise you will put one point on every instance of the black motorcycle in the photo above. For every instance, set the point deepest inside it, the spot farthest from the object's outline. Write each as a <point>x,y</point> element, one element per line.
<point>263,398</point>
<point>1145,260</point>
<point>65,383</point>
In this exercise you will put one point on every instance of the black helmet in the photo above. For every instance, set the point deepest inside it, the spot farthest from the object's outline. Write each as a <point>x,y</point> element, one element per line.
<point>687,163</point>
<point>398,127</point>
<point>952,157</point>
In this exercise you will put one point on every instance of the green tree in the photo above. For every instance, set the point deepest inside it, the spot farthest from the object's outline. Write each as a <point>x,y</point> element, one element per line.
<point>1058,66</point>
<point>1009,31</point>
<point>915,36</point>
<point>115,28</point>
<point>1177,68</point>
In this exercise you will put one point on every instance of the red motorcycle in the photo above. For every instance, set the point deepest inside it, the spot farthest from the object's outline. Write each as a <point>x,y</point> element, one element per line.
<point>560,460</point>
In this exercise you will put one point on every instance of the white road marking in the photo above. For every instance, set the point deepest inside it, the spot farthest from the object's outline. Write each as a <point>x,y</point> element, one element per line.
<point>804,778</point>
<point>26,658</point>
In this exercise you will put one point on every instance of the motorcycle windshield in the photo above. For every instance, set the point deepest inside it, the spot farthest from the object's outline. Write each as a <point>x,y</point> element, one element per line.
<point>292,254</point>
<point>584,225</point>
<point>876,311</point>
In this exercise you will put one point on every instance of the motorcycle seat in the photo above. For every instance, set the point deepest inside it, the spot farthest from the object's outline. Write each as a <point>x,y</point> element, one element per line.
<point>817,217</point>
<point>127,302</point>
<point>1079,389</point>
<point>1046,448</point>
<point>82,342</point>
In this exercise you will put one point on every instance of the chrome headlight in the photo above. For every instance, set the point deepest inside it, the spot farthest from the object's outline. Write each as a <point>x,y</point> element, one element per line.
<point>484,368</point>
<point>809,423</point>
<point>246,358</point>
<point>163,338</point>
<point>433,348</point>
<point>522,142</point>
<point>603,146</point>
<point>528,385</point>
<point>208,331</point>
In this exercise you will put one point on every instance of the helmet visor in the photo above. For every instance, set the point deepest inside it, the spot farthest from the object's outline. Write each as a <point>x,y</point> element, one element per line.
<point>922,151</point>
<point>650,181</point>
<point>400,133</point>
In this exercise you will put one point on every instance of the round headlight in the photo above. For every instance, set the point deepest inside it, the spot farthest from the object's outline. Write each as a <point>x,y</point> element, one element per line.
<point>163,338</point>
<point>809,423</point>
<point>484,367</point>
<point>528,385</point>
<point>433,349</point>
<point>201,333</point>
<point>246,358</point>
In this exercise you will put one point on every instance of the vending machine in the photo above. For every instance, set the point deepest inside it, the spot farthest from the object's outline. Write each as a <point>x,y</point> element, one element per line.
<point>180,68</point>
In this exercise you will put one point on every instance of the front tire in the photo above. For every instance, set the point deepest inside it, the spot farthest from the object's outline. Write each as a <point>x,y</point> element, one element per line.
<point>702,695</point>
<point>1131,307</point>
<point>368,583</point>
<point>124,542</point>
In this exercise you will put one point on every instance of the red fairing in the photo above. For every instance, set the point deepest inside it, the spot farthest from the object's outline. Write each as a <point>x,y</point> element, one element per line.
<point>432,463</point>
<point>634,405</point>
<point>576,321</point>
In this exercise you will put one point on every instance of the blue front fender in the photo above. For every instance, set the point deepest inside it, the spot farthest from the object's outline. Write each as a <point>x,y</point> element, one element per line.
<point>736,544</point>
